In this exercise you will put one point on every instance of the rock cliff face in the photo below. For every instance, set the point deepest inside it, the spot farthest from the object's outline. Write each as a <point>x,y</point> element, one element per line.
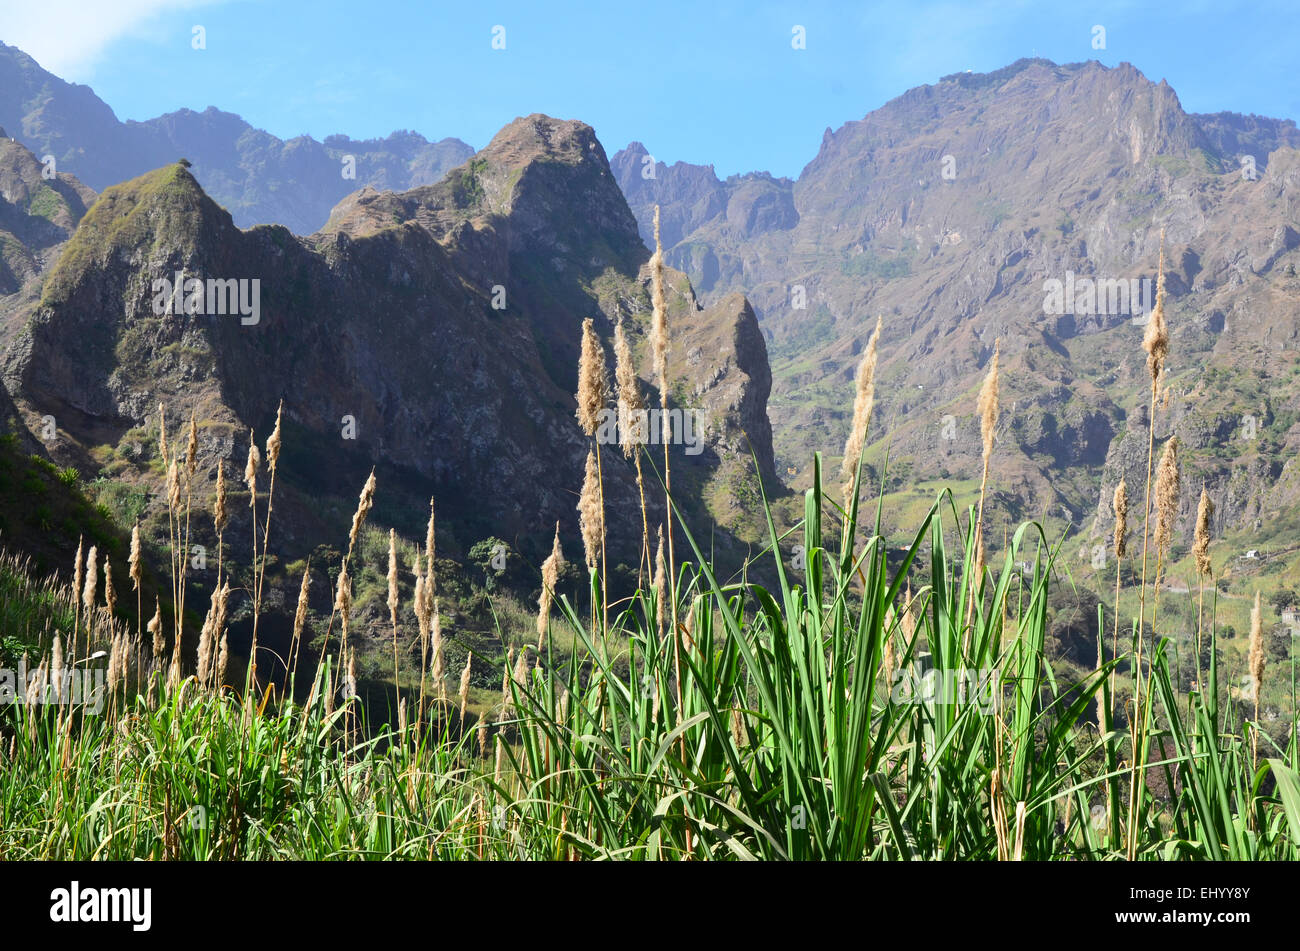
<point>38,212</point>
<point>433,333</point>
<point>259,178</point>
<point>948,210</point>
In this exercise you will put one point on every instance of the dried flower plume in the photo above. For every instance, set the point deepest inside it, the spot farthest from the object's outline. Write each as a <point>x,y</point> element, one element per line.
<point>1156,340</point>
<point>988,405</point>
<point>392,576</point>
<point>1256,657</point>
<point>273,443</point>
<point>134,566</point>
<point>1167,488</point>
<point>250,469</point>
<point>630,401</point>
<point>589,512</point>
<point>863,402</point>
<point>1201,545</point>
<point>591,379</point>
<point>659,318</point>
<point>364,505</point>
<point>551,569</point>
<point>1120,506</point>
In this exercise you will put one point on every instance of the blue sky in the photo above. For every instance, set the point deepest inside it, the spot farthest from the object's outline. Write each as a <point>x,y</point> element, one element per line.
<point>706,82</point>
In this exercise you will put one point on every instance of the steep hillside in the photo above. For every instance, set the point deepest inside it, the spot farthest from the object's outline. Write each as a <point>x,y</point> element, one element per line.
<point>381,337</point>
<point>950,210</point>
<point>38,212</point>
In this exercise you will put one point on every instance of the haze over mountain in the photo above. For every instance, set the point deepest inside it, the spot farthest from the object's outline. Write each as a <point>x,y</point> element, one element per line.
<point>259,178</point>
<point>946,211</point>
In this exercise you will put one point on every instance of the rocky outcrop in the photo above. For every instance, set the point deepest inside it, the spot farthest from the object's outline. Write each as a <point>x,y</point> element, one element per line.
<point>433,333</point>
<point>949,209</point>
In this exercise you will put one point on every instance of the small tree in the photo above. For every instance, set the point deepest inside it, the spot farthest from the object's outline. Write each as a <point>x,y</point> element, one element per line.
<point>495,559</point>
<point>1283,598</point>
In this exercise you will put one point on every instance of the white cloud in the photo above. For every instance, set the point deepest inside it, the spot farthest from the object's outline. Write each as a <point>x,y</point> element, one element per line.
<point>68,36</point>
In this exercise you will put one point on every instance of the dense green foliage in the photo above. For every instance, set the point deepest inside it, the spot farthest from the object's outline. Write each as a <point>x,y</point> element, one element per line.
<point>771,726</point>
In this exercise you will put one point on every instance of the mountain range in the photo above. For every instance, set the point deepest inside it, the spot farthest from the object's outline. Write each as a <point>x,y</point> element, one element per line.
<point>1023,210</point>
<point>950,211</point>
<point>257,177</point>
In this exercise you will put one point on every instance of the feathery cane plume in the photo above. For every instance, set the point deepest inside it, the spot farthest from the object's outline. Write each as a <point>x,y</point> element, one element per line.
<point>92,580</point>
<point>192,447</point>
<point>591,379</point>
<point>661,585</point>
<point>630,401</point>
<point>79,569</point>
<point>688,626</point>
<point>590,515</point>
<point>1201,546</point>
<point>1167,488</point>
<point>551,569</point>
<point>343,605</point>
<point>1156,340</point>
<point>988,406</point>
<point>300,614</point>
<point>221,600</point>
<point>350,682</point>
<point>56,667</point>
<point>364,505</point>
<point>273,443</point>
<point>36,684</point>
<point>463,694</point>
<point>220,513</point>
<point>174,671</point>
<point>1119,504</point>
<point>223,659</point>
<point>392,581</point>
<point>116,663</point>
<point>156,632</point>
<point>422,606</point>
<point>988,413</point>
<point>437,674</point>
<point>173,485</point>
<point>482,739</point>
<point>392,604</point>
<point>206,647</point>
<point>134,567</point>
<point>738,728</point>
<point>110,593</point>
<point>659,319</point>
<point>430,553</point>
<point>1255,660</point>
<point>250,469</point>
<point>863,401</point>
<point>521,668</point>
<point>210,637</point>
